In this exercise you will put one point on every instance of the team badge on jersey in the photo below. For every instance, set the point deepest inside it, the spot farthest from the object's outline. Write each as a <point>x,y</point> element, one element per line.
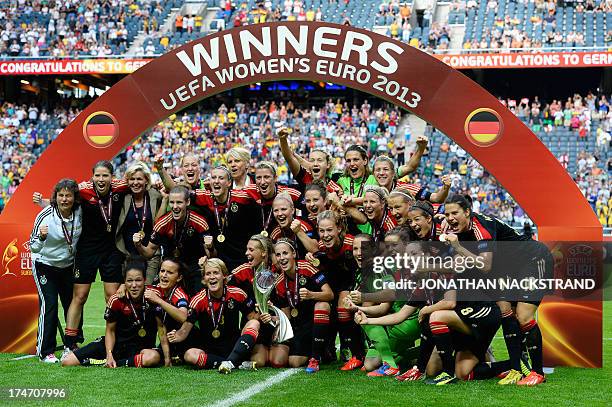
<point>302,280</point>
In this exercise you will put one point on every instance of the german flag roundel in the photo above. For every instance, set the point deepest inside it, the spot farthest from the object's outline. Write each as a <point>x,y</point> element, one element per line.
<point>100,129</point>
<point>483,127</point>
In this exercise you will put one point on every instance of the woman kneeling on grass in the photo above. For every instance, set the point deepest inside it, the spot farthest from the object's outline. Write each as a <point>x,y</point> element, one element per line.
<point>217,309</point>
<point>130,329</point>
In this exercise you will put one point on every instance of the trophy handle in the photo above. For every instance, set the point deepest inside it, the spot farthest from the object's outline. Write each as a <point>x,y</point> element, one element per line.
<point>283,331</point>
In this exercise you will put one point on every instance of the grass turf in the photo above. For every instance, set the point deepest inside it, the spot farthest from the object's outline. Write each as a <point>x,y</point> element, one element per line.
<point>330,387</point>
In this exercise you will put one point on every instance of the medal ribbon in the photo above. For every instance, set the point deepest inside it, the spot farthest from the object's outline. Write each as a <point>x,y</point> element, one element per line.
<point>144,212</point>
<point>380,227</point>
<point>104,208</point>
<point>169,301</point>
<point>67,236</point>
<point>211,308</point>
<point>293,298</point>
<point>144,317</point>
<point>222,222</point>
<point>177,242</point>
<point>263,216</point>
<point>352,187</point>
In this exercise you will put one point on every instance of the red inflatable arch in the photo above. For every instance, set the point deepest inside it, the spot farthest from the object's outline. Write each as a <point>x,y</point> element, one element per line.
<point>326,52</point>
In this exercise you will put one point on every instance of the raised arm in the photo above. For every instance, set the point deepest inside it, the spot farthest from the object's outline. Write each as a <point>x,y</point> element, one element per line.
<point>415,160</point>
<point>292,161</point>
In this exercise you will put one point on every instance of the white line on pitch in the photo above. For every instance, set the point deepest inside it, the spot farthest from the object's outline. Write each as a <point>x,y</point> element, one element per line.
<point>24,357</point>
<point>257,388</point>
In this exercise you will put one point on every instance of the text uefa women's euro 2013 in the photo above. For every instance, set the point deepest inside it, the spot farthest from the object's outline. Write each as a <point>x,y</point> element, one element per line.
<point>325,52</point>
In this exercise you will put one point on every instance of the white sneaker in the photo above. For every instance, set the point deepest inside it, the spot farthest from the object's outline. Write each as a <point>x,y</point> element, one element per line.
<point>50,359</point>
<point>248,365</point>
<point>226,367</point>
<point>65,353</point>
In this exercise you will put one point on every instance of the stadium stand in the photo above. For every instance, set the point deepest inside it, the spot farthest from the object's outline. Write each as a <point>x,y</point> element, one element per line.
<point>577,132</point>
<point>74,28</point>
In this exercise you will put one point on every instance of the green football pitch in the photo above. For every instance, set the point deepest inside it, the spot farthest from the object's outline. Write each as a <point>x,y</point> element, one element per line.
<point>183,386</point>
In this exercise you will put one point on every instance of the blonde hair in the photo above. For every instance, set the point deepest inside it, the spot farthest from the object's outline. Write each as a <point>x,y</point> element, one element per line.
<point>218,264</point>
<point>238,153</point>
<point>265,244</point>
<point>284,196</point>
<point>267,165</point>
<point>186,156</point>
<point>402,193</point>
<point>378,190</point>
<point>139,166</point>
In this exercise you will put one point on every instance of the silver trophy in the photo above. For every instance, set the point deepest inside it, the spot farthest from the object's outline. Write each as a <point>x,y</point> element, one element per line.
<point>263,284</point>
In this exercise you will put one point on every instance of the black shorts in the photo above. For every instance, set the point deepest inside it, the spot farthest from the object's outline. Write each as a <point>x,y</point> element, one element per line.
<point>484,321</point>
<point>339,282</point>
<point>539,267</point>
<point>97,350</point>
<point>110,265</point>
<point>301,343</point>
<point>193,279</point>
<point>266,332</point>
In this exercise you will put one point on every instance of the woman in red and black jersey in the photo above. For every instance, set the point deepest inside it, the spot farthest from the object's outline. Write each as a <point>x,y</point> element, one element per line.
<point>314,202</point>
<point>182,234</point>
<point>524,259</point>
<point>131,325</point>
<point>264,191</point>
<point>335,259</point>
<point>384,172</point>
<point>304,295</point>
<point>399,202</point>
<point>421,221</point>
<point>292,228</point>
<point>320,165</point>
<point>231,213</point>
<point>218,309</point>
<point>171,305</point>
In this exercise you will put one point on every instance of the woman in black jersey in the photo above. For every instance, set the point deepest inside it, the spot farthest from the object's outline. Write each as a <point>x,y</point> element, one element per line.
<point>131,326</point>
<point>524,259</point>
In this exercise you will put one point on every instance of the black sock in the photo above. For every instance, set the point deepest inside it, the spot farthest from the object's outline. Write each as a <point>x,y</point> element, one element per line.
<point>319,332</point>
<point>512,337</point>
<point>486,370</point>
<point>426,347</point>
<point>533,342</point>
<point>70,337</point>
<point>135,361</point>
<point>208,361</point>
<point>350,334</point>
<point>243,347</point>
<point>444,345</point>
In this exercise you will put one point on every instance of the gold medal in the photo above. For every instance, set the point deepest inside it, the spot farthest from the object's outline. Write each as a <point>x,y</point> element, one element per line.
<point>294,312</point>
<point>221,238</point>
<point>177,252</point>
<point>315,262</point>
<point>109,228</point>
<point>142,234</point>
<point>216,333</point>
<point>264,233</point>
<point>142,332</point>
